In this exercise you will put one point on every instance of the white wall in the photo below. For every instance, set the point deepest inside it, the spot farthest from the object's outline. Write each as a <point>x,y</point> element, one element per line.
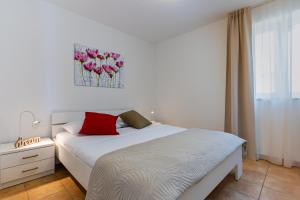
<point>186,86</point>
<point>37,72</point>
<point>191,74</point>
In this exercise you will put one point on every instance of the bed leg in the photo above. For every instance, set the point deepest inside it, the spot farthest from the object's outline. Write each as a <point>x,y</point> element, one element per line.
<point>238,171</point>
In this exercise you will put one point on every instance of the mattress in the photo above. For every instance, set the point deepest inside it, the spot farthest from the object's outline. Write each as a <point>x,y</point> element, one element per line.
<point>90,148</point>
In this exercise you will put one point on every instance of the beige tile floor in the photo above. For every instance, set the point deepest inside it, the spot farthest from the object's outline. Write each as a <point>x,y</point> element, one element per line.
<point>60,186</point>
<point>261,180</point>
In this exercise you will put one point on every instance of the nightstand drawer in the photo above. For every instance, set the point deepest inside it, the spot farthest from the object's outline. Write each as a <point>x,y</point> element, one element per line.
<point>21,171</point>
<point>24,157</point>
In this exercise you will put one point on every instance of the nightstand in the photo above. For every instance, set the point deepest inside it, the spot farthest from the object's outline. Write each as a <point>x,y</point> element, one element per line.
<point>26,163</point>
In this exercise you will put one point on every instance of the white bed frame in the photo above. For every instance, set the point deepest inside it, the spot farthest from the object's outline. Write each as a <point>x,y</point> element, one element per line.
<point>81,171</point>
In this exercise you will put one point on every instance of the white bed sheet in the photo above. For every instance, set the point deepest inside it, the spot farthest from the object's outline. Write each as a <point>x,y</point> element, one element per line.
<point>90,148</point>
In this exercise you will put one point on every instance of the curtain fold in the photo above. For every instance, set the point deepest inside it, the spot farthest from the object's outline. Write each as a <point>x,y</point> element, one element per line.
<point>239,107</point>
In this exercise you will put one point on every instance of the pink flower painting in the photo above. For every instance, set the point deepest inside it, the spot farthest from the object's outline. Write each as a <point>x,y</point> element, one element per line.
<point>89,66</point>
<point>96,68</point>
<point>92,53</point>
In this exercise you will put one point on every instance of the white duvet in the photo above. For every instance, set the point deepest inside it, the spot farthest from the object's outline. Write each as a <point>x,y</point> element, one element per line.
<point>90,148</point>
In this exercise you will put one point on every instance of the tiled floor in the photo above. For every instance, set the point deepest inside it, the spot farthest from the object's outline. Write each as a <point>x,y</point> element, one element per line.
<point>60,186</point>
<point>261,180</point>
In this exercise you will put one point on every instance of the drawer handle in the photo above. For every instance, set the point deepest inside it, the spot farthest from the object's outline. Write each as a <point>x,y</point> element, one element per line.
<point>28,170</point>
<point>27,157</point>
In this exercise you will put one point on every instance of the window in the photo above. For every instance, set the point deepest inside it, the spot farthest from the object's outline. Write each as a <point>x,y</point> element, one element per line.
<point>276,51</point>
<point>264,62</point>
<point>296,60</point>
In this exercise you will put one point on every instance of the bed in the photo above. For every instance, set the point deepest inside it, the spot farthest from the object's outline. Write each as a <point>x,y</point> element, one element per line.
<point>80,153</point>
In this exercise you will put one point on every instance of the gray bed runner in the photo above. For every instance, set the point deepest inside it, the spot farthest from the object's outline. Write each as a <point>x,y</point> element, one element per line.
<point>161,169</point>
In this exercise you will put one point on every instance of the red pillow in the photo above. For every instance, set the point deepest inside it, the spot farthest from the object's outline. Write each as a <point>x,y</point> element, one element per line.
<point>99,124</point>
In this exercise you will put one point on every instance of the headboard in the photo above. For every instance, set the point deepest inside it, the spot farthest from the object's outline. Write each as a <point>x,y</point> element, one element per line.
<point>60,118</point>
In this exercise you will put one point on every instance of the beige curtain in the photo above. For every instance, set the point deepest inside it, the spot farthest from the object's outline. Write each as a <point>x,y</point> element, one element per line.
<point>239,110</point>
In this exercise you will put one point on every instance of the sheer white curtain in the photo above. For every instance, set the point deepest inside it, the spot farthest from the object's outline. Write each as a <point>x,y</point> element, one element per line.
<point>276,52</point>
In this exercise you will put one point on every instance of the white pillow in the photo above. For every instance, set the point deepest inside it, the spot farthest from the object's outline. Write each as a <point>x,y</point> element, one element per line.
<point>73,127</point>
<point>120,123</point>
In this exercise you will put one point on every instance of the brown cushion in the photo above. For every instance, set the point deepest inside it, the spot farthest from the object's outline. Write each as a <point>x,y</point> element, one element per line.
<point>134,119</point>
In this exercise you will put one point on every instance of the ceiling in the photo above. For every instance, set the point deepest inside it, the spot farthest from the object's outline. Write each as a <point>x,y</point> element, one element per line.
<point>154,20</point>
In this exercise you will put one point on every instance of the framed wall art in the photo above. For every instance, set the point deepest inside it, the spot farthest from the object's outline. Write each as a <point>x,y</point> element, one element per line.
<point>98,68</point>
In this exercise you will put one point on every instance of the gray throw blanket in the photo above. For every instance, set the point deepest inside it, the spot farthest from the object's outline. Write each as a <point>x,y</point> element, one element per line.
<point>161,169</point>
